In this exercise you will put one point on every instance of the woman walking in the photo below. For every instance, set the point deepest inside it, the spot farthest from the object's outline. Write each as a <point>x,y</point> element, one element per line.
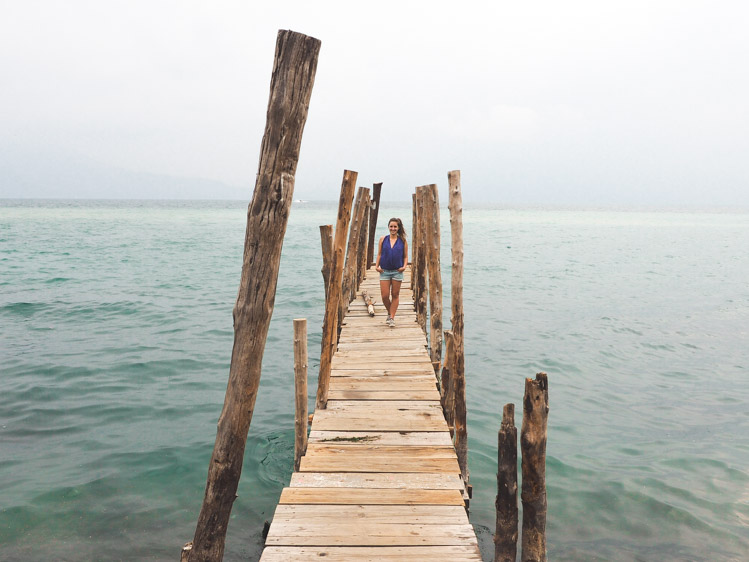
<point>391,262</point>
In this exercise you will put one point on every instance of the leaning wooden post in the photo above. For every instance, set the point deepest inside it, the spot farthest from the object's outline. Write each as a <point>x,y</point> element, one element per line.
<point>373,211</point>
<point>455,204</point>
<point>330,323</point>
<point>267,216</point>
<point>361,252</point>
<point>533,450</point>
<point>446,385</point>
<point>431,200</point>
<point>349,269</point>
<point>421,267</point>
<point>414,242</point>
<point>300,389</point>
<point>326,240</point>
<point>506,504</point>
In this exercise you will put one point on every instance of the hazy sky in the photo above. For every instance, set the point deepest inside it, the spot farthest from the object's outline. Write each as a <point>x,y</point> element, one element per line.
<point>579,102</point>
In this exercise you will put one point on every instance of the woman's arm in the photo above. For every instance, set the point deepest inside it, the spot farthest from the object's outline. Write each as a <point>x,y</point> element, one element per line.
<point>405,256</point>
<point>379,255</point>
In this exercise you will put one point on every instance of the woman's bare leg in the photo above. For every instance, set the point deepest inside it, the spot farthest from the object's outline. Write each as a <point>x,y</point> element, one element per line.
<point>385,292</point>
<point>396,298</point>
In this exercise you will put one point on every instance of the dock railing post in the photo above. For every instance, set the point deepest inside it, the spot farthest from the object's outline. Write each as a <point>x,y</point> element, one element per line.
<point>533,450</point>
<point>349,269</point>
<point>421,267</point>
<point>300,389</point>
<point>414,245</point>
<point>506,504</point>
<point>361,252</point>
<point>291,85</point>
<point>330,322</point>
<point>326,240</point>
<point>374,209</point>
<point>455,205</point>
<point>431,200</point>
<point>446,384</point>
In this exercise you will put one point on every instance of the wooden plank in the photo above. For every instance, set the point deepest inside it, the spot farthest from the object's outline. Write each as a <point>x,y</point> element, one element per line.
<point>383,406</point>
<point>364,449</point>
<point>436,438</point>
<point>357,463</point>
<point>381,395</point>
<point>372,534</point>
<point>414,480</point>
<point>344,514</point>
<point>326,420</point>
<point>369,496</point>
<point>442,553</point>
<point>422,371</point>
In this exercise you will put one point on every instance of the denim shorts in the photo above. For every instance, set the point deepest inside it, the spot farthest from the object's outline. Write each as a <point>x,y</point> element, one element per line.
<point>391,275</point>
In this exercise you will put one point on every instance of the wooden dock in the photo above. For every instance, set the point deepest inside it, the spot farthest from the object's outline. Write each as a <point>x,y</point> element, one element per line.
<point>380,479</point>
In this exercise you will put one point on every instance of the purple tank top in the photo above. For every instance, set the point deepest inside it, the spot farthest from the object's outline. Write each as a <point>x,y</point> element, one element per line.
<point>391,258</point>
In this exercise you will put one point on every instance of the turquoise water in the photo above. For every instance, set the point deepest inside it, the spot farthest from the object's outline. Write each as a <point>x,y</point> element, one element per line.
<point>117,331</point>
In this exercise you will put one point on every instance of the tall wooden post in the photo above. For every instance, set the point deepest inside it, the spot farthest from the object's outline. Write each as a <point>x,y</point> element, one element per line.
<point>447,385</point>
<point>349,269</point>
<point>455,204</point>
<point>267,216</point>
<point>326,240</point>
<point>361,252</point>
<point>300,389</point>
<point>421,257</point>
<point>506,504</point>
<point>533,450</point>
<point>432,212</point>
<point>373,212</point>
<point>330,323</point>
<point>414,243</point>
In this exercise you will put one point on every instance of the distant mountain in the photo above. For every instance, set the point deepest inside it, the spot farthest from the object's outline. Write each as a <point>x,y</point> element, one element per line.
<point>39,173</point>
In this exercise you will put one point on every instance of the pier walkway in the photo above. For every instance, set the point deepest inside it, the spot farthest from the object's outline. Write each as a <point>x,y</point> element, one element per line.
<point>380,479</point>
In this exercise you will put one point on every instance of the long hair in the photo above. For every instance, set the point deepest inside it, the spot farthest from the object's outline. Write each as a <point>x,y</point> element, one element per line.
<point>401,230</point>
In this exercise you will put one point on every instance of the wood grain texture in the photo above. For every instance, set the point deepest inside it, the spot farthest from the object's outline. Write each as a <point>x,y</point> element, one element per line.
<point>293,77</point>
<point>330,321</point>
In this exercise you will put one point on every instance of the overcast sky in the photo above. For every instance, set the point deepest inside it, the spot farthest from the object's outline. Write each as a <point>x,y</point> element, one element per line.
<point>577,102</point>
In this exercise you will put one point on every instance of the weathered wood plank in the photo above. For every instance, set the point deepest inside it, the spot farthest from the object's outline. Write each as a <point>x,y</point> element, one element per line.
<point>353,463</point>
<point>414,480</point>
<point>437,438</point>
<point>442,553</point>
<point>344,514</point>
<point>381,394</point>
<point>369,496</point>
<point>373,534</point>
<point>366,449</point>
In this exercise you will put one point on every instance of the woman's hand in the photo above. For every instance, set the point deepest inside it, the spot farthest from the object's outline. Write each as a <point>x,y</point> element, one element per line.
<point>402,268</point>
<point>379,269</point>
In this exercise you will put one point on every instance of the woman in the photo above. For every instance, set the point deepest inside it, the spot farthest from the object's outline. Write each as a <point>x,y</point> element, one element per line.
<point>391,262</point>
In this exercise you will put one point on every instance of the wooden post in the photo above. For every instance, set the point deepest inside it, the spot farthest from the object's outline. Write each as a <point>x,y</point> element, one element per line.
<point>361,252</point>
<point>446,385</point>
<point>267,216</point>
<point>326,240</point>
<point>432,212</point>
<point>414,243</point>
<point>330,323</point>
<point>533,450</point>
<point>300,388</point>
<point>373,211</point>
<point>349,269</point>
<point>455,205</point>
<point>421,267</point>
<point>506,535</point>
